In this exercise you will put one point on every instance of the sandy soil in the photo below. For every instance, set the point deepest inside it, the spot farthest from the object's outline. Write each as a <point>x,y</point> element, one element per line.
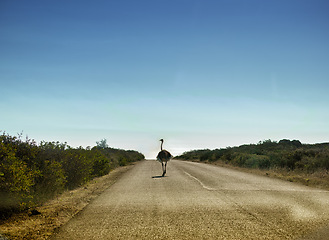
<point>58,211</point>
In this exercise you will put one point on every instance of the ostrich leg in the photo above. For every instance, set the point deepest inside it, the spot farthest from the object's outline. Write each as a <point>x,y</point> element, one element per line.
<point>164,169</point>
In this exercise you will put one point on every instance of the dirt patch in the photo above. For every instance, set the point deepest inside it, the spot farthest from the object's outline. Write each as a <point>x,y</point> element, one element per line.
<point>42,221</point>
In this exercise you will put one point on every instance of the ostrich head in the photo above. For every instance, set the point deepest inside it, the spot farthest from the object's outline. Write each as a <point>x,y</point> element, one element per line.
<point>161,140</point>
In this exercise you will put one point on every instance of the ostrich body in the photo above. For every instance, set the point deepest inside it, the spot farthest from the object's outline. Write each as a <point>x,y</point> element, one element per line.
<point>163,156</point>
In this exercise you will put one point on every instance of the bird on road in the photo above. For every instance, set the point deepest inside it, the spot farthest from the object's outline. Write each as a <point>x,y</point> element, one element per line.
<point>163,156</point>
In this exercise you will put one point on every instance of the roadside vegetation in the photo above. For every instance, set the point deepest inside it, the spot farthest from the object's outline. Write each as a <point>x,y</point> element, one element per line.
<point>32,173</point>
<point>290,160</point>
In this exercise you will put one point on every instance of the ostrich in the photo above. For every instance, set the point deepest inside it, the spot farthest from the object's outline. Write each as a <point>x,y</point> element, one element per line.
<point>163,156</point>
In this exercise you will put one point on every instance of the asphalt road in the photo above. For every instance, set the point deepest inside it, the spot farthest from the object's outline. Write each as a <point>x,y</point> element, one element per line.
<point>200,201</point>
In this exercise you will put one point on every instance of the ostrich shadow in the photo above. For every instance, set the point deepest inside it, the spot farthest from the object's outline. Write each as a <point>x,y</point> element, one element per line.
<point>160,176</point>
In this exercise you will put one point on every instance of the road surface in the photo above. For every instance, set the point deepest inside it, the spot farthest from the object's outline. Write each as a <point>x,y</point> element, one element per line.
<point>200,201</point>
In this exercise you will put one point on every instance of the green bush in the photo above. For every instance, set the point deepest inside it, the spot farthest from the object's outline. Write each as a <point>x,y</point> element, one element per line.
<point>258,161</point>
<point>77,167</point>
<point>101,164</point>
<point>31,174</point>
<point>269,154</point>
<point>16,176</point>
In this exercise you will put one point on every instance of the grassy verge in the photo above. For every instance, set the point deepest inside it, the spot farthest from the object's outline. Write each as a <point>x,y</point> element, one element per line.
<point>58,211</point>
<point>317,179</point>
<point>289,160</point>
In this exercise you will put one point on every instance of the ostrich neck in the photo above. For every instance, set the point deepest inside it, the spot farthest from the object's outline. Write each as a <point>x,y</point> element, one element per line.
<point>161,145</point>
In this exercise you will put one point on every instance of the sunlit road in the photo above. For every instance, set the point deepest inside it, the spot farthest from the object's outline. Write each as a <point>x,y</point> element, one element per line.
<point>199,201</point>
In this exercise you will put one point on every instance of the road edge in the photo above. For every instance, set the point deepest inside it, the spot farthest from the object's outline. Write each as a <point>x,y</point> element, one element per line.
<point>58,211</point>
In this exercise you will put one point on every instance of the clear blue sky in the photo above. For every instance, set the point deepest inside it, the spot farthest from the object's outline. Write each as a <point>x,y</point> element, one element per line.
<point>200,74</point>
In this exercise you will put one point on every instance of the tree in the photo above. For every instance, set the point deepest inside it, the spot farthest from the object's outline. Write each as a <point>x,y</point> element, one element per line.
<point>102,144</point>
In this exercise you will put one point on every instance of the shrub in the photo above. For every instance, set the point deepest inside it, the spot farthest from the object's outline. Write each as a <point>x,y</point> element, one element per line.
<point>258,161</point>
<point>267,154</point>
<point>16,177</point>
<point>31,174</point>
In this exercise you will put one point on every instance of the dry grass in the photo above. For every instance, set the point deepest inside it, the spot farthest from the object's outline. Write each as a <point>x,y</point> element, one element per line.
<point>58,211</point>
<point>318,179</point>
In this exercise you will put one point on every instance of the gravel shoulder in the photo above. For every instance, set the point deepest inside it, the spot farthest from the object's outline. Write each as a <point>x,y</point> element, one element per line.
<point>58,211</point>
